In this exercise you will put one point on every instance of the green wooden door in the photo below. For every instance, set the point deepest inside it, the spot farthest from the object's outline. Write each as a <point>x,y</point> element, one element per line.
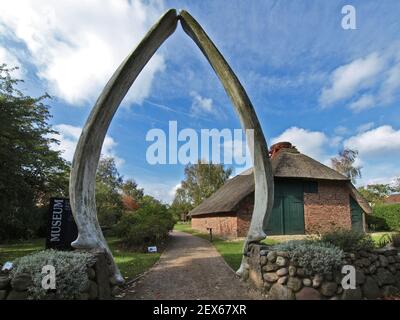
<point>356,216</point>
<point>287,215</point>
<point>293,209</point>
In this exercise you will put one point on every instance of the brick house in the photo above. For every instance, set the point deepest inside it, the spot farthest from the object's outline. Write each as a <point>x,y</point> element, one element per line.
<point>309,198</point>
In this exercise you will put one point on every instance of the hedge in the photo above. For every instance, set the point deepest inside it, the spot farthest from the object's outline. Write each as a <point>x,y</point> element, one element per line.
<point>388,215</point>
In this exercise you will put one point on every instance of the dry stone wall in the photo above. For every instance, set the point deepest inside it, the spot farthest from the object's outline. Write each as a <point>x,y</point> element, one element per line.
<point>99,286</point>
<point>280,278</point>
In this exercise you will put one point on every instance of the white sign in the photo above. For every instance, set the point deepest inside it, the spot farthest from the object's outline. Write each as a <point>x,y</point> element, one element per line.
<point>7,266</point>
<point>152,249</point>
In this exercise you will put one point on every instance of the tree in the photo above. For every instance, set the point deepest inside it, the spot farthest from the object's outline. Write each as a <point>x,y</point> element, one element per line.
<point>344,163</point>
<point>108,192</point>
<point>375,193</point>
<point>181,205</point>
<point>201,181</point>
<point>30,172</point>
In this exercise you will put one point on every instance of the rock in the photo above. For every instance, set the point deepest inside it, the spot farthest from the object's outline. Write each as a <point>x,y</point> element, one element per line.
<point>360,277</point>
<point>328,289</point>
<point>281,261</point>
<point>300,272</point>
<point>334,298</point>
<point>283,254</point>
<point>115,291</point>
<point>271,256</point>
<point>390,252</point>
<point>307,282</point>
<point>83,296</point>
<point>372,268</point>
<point>363,262</point>
<point>351,294</point>
<point>383,261</point>
<point>17,295</point>
<point>308,294</point>
<point>3,294</point>
<point>4,282</point>
<point>282,272</point>
<point>263,260</point>
<point>384,276</point>
<point>388,291</point>
<point>93,291</point>
<point>280,292</point>
<point>338,276</point>
<point>270,267</point>
<point>263,252</point>
<point>292,271</point>
<point>91,273</point>
<point>397,265</point>
<point>328,276</point>
<point>282,280</point>
<point>317,280</point>
<point>363,253</point>
<point>270,276</point>
<point>21,282</point>
<point>294,283</point>
<point>339,290</point>
<point>392,269</point>
<point>370,289</point>
<point>391,259</point>
<point>373,257</point>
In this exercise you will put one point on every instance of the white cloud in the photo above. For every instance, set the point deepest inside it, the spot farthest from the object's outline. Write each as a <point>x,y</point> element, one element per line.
<point>201,105</point>
<point>348,79</point>
<point>365,127</point>
<point>375,142</point>
<point>311,143</point>
<point>77,44</point>
<point>69,136</point>
<point>364,102</point>
<point>161,191</point>
<point>9,58</point>
<point>341,130</point>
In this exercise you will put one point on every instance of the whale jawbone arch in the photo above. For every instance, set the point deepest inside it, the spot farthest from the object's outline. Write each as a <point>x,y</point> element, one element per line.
<point>87,153</point>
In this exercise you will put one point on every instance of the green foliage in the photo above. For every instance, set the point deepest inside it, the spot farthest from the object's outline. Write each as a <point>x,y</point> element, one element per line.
<point>375,193</point>
<point>71,272</point>
<point>30,172</point>
<point>201,181</point>
<point>108,192</point>
<point>344,163</point>
<point>389,213</point>
<point>389,239</point>
<point>315,257</point>
<point>148,225</point>
<point>349,240</point>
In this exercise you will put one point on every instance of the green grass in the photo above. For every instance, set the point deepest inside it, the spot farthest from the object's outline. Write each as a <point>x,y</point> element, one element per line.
<point>130,263</point>
<point>230,250</point>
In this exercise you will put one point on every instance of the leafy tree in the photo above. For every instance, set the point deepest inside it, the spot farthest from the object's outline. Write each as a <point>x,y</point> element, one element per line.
<point>344,163</point>
<point>375,193</point>
<point>181,205</point>
<point>30,172</point>
<point>108,192</point>
<point>201,181</point>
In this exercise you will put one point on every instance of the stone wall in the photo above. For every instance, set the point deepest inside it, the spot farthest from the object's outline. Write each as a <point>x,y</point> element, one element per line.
<point>327,210</point>
<point>279,278</point>
<point>224,224</point>
<point>99,286</point>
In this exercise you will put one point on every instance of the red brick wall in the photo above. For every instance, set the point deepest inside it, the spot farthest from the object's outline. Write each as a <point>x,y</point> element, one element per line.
<point>224,225</point>
<point>327,210</point>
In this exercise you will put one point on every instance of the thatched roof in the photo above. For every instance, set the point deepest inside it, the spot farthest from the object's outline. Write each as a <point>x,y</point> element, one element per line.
<point>287,163</point>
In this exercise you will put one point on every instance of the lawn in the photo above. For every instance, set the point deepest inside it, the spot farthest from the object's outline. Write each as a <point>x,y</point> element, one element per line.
<point>130,263</point>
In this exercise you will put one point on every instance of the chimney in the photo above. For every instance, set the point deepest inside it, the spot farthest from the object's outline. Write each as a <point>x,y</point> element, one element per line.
<point>275,148</point>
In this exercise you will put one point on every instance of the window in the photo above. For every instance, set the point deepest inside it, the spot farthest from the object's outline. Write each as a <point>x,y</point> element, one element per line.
<point>311,187</point>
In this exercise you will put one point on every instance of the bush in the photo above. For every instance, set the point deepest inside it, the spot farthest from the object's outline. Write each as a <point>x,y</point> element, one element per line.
<point>376,223</point>
<point>390,213</point>
<point>315,257</point>
<point>148,225</point>
<point>349,240</point>
<point>71,272</point>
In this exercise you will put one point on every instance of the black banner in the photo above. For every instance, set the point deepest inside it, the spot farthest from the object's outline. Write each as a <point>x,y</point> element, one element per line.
<point>61,228</point>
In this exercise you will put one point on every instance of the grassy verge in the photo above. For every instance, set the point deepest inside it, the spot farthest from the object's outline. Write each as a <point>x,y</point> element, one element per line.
<point>130,263</point>
<point>230,250</point>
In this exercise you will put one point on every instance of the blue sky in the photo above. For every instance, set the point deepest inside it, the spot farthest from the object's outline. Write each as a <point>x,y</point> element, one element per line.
<point>311,82</point>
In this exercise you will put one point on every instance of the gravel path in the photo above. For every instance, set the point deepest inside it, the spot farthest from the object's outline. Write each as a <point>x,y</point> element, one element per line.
<point>190,268</point>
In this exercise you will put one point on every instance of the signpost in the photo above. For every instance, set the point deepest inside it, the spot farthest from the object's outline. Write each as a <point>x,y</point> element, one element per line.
<point>61,227</point>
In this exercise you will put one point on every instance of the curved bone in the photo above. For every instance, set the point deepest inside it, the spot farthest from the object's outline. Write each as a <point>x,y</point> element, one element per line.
<point>264,183</point>
<point>87,153</point>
